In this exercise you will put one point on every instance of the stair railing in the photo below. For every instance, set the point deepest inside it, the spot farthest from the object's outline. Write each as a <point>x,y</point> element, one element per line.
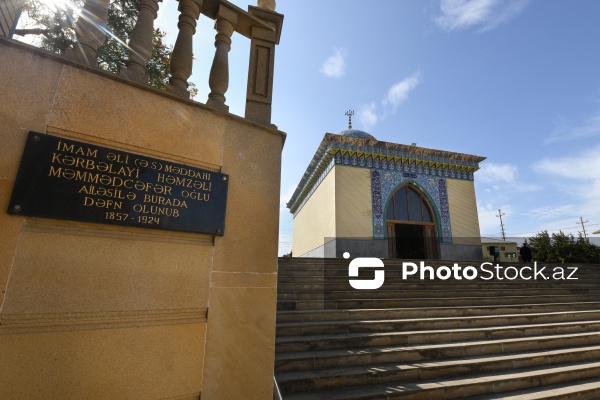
<point>276,391</point>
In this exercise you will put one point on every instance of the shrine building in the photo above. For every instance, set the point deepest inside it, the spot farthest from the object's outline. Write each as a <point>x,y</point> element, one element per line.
<point>379,199</point>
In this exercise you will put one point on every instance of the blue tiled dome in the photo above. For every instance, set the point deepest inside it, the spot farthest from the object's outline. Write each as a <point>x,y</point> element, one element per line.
<point>355,133</point>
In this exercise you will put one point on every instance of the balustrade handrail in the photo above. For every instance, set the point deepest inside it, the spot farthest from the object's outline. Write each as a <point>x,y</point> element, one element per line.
<point>246,21</point>
<point>262,25</point>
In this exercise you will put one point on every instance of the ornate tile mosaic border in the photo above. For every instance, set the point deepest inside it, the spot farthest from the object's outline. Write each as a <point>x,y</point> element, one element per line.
<point>383,185</point>
<point>367,161</point>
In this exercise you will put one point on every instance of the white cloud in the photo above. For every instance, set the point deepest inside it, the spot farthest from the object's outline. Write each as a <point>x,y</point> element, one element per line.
<point>553,211</point>
<point>564,133</point>
<point>584,166</point>
<point>335,65</point>
<point>367,116</point>
<point>398,92</point>
<point>487,14</point>
<point>577,176</point>
<point>492,173</point>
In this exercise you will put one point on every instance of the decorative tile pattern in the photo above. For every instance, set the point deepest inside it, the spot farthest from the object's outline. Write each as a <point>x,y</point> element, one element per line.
<point>383,185</point>
<point>444,211</point>
<point>376,194</point>
<point>381,163</point>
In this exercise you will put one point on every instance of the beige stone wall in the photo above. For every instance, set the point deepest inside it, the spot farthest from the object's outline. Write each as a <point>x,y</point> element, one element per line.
<point>353,204</point>
<point>463,212</point>
<point>104,312</point>
<point>316,219</point>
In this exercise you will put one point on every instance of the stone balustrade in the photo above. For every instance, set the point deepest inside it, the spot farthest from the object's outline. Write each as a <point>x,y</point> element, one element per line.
<point>261,24</point>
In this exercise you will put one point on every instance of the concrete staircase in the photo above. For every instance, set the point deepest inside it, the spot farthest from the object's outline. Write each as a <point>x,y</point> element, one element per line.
<point>453,339</point>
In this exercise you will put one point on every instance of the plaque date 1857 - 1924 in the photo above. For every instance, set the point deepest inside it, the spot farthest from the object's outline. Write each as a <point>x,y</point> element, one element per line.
<point>68,179</point>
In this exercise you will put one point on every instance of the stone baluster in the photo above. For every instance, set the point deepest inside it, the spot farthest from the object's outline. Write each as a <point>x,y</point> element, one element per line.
<point>267,4</point>
<point>259,93</point>
<point>218,80</point>
<point>90,31</point>
<point>141,42</point>
<point>183,57</point>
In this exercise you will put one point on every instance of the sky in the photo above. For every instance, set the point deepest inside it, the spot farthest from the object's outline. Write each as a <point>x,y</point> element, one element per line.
<point>516,81</point>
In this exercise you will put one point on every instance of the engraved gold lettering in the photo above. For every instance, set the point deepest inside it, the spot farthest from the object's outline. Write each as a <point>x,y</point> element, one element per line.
<point>102,203</point>
<point>117,216</point>
<point>79,150</point>
<point>68,148</point>
<point>140,162</point>
<point>55,171</point>
<point>195,195</point>
<point>184,182</point>
<point>103,192</point>
<point>187,172</point>
<point>56,158</point>
<point>84,189</point>
<point>86,177</point>
<point>68,174</point>
<point>89,177</point>
<point>119,158</point>
<point>105,179</point>
<point>167,201</point>
<point>155,210</point>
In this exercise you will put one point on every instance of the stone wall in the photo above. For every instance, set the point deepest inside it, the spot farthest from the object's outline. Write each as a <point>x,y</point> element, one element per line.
<point>100,311</point>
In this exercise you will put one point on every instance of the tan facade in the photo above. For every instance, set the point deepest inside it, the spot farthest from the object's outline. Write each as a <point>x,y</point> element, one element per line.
<point>354,216</point>
<point>104,312</point>
<point>463,211</point>
<point>340,207</point>
<point>315,222</point>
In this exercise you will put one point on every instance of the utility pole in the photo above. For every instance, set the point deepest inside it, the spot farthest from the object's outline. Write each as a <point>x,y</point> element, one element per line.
<point>583,227</point>
<point>500,214</point>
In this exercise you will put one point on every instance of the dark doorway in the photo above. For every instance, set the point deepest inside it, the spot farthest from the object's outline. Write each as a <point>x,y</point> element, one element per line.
<point>410,224</point>
<point>410,241</point>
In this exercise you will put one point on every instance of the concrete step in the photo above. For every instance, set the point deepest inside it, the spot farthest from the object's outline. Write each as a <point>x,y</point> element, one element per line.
<point>436,339</point>
<point>293,382</point>
<point>588,389</point>
<point>354,340</point>
<point>340,263</point>
<point>459,388</point>
<point>429,312</point>
<point>442,285</point>
<point>415,293</point>
<point>394,325</point>
<point>429,302</point>
<point>342,269</point>
<point>321,359</point>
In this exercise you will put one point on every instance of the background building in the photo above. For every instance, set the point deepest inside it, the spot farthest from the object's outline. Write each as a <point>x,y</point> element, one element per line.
<point>508,250</point>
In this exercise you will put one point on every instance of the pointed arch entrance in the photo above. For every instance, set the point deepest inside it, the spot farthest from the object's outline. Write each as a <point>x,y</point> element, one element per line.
<point>411,225</point>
